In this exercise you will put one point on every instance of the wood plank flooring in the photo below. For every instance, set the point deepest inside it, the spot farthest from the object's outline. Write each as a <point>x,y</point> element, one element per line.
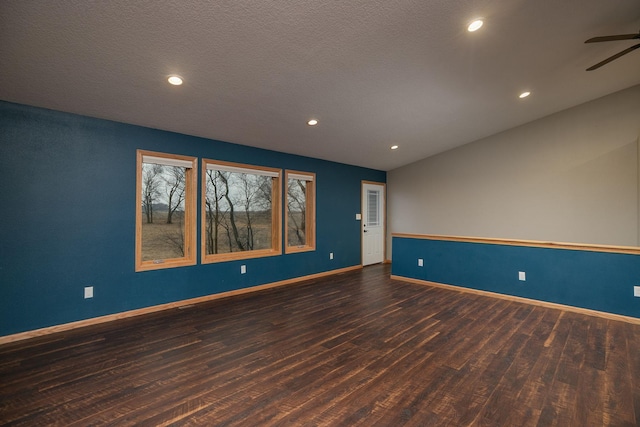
<point>352,349</point>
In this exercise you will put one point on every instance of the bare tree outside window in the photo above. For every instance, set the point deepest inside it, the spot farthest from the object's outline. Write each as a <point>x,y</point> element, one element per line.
<point>151,181</point>
<point>296,212</point>
<point>239,215</point>
<point>174,190</point>
<point>163,195</point>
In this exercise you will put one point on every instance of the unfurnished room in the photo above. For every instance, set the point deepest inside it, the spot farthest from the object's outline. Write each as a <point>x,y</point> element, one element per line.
<point>320,213</point>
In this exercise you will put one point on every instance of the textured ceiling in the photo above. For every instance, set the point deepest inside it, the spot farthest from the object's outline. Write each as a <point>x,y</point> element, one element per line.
<point>373,72</point>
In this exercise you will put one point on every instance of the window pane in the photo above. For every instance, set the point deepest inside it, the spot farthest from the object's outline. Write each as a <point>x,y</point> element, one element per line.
<point>163,191</point>
<point>238,212</point>
<point>372,208</point>
<point>296,212</point>
<point>300,232</point>
<point>166,211</point>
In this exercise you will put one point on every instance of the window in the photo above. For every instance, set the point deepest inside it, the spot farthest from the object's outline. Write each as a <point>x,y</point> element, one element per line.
<point>165,210</point>
<point>300,220</point>
<point>373,207</point>
<point>241,211</point>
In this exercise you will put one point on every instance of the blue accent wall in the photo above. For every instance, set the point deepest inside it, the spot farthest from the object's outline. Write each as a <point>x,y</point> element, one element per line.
<point>67,186</point>
<point>594,280</point>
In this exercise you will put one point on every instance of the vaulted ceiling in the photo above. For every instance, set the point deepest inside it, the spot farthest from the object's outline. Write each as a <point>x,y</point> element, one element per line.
<point>374,73</point>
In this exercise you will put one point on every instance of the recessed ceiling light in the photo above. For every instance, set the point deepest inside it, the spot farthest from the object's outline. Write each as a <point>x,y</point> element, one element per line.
<point>394,147</point>
<point>475,25</point>
<point>524,94</point>
<point>312,122</point>
<point>175,80</point>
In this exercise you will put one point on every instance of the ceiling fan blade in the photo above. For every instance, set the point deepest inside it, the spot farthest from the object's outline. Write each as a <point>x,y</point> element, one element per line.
<point>613,38</point>
<point>611,58</point>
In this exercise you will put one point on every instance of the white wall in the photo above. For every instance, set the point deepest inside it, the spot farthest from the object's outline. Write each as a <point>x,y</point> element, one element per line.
<point>569,177</point>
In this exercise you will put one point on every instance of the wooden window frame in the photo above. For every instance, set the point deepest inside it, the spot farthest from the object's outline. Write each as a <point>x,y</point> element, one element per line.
<point>310,212</point>
<point>191,183</point>
<point>276,212</point>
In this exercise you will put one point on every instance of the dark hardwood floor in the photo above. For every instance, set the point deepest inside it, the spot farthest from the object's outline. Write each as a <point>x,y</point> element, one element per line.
<point>352,349</point>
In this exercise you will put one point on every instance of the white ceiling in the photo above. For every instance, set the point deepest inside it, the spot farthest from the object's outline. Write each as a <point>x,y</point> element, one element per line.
<point>373,72</point>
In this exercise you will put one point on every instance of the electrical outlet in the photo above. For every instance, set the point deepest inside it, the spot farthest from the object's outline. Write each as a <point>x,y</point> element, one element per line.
<point>420,262</point>
<point>243,269</point>
<point>522,276</point>
<point>330,255</point>
<point>636,291</point>
<point>88,292</point>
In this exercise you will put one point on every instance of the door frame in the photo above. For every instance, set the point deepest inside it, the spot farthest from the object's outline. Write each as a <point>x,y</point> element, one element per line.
<point>384,223</point>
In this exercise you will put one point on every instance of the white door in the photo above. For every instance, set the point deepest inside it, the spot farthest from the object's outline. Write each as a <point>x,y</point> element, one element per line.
<point>372,223</point>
